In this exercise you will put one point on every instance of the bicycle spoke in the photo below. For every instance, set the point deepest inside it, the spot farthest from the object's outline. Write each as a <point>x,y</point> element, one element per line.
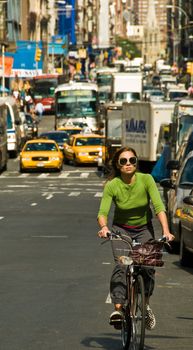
<point>138,318</point>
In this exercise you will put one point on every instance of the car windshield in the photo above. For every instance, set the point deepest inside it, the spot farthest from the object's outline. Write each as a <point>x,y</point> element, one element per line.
<point>156,93</point>
<point>177,95</point>
<point>58,137</point>
<point>127,96</point>
<point>29,119</point>
<point>40,146</point>
<point>187,174</point>
<point>185,125</point>
<point>89,141</point>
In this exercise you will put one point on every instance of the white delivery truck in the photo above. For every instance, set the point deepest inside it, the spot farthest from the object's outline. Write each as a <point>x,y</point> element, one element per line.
<point>126,87</point>
<point>142,126</point>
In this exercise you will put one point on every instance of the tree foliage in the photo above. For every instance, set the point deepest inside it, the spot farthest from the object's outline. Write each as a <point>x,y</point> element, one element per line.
<point>129,48</point>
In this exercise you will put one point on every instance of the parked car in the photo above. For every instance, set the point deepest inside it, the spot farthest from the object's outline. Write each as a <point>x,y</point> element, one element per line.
<point>59,136</point>
<point>40,154</point>
<point>186,231</point>
<point>177,189</point>
<point>84,148</point>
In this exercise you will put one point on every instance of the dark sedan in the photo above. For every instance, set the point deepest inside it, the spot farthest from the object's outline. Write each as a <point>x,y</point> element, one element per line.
<point>60,137</point>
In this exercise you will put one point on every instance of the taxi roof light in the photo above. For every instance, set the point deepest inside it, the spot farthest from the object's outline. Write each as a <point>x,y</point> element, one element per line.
<point>86,130</point>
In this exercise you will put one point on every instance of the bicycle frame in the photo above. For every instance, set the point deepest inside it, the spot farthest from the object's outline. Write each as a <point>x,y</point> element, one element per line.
<point>133,324</point>
<point>133,328</point>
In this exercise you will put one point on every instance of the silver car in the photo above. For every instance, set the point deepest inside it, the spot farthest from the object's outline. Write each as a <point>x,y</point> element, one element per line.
<point>186,231</point>
<point>176,191</point>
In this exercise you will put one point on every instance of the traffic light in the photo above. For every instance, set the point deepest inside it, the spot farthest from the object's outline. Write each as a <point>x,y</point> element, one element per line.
<point>38,54</point>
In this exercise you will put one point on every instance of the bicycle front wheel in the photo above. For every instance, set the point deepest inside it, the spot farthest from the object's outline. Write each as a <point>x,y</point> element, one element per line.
<point>126,329</point>
<point>138,315</point>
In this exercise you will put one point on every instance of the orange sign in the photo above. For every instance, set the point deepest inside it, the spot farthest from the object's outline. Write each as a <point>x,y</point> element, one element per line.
<point>8,65</point>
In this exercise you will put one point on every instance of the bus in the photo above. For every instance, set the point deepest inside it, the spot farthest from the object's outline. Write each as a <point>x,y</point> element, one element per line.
<point>77,102</point>
<point>43,87</point>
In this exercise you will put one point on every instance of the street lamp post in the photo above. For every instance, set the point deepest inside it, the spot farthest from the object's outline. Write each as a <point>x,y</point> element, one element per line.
<point>177,36</point>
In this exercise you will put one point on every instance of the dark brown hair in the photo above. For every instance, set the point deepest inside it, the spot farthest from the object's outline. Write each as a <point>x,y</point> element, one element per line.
<point>115,171</point>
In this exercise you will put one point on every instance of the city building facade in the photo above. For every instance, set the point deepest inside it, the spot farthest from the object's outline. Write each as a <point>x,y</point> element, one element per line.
<point>160,28</point>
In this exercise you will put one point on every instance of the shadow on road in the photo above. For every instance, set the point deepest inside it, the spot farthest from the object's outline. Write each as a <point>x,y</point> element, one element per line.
<point>107,342</point>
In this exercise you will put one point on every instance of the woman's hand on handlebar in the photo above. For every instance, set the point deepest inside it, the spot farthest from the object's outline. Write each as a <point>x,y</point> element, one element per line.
<point>169,236</point>
<point>103,232</point>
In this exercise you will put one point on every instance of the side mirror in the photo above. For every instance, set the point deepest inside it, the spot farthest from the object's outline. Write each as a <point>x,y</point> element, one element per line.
<point>167,183</point>
<point>188,200</point>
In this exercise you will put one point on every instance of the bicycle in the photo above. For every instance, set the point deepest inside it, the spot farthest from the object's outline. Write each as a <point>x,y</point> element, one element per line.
<point>134,309</point>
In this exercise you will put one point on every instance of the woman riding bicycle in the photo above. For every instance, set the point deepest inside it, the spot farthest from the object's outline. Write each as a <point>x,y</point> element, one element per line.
<point>132,193</point>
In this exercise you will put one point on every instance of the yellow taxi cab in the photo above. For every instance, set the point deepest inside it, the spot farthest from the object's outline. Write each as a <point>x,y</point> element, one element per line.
<point>84,148</point>
<point>41,154</point>
<point>70,129</point>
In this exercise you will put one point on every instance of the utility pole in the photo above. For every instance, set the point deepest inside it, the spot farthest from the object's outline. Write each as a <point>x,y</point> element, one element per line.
<point>3,69</point>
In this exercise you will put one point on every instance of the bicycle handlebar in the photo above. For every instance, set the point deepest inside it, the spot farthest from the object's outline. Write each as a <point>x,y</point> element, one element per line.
<point>118,234</point>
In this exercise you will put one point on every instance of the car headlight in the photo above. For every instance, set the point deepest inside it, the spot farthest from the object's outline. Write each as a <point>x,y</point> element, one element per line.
<point>82,153</point>
<point>54,158</point>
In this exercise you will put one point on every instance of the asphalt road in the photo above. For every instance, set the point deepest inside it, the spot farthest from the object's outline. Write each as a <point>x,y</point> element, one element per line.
<point>55,274</point>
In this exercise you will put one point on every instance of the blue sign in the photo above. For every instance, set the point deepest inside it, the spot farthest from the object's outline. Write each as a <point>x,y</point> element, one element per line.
<point>66,20</point>
<point>58,45</point>
<point>24,57</point>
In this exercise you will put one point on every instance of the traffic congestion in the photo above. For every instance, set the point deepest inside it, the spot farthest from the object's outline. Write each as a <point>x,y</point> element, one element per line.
<point>96,175</point>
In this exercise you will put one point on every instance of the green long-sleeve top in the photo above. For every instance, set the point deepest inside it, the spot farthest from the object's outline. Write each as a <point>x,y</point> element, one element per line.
<point>132,201</point>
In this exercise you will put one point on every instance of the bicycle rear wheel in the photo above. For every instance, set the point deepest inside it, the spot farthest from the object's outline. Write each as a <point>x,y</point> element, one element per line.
<point>138,315</point>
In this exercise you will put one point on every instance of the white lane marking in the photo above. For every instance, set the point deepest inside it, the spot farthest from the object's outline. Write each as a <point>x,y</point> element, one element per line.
<point>64,175</point>
<point>108,299</point>
<point>7,191</point>
<point>23,175</point>
<point>1,217</point>
<point>98,194</point>
<point>74,194</point>
<point>42,176</point>
<point>34,204</point>
<point>49,236</point>
<point>106,263</point>
<point>84,175</point>
<point>49,196</point>
<point>17,186</point>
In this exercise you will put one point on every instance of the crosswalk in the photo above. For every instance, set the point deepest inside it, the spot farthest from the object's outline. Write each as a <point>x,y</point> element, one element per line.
<point>75,174</point>
<point>73,183</point>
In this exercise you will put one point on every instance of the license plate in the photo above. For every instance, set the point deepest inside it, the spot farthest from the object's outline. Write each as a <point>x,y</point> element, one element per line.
<point>41,164</point>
